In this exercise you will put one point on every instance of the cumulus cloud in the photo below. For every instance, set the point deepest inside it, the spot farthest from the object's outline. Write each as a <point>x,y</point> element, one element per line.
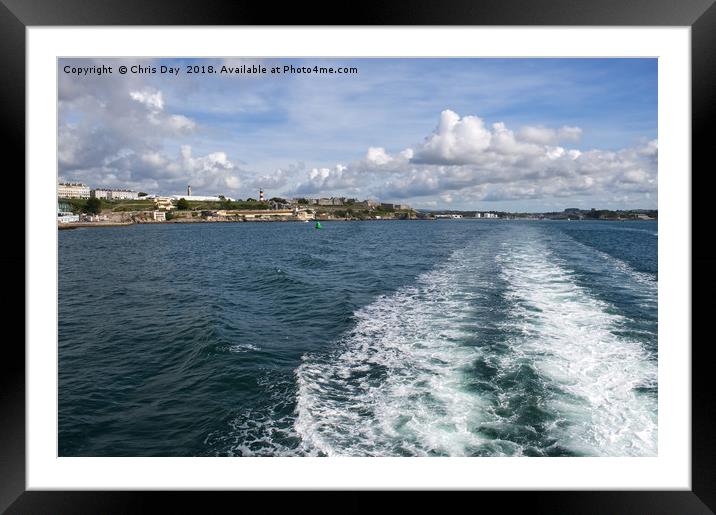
<point>127,133</point>
<point>275,181</point>
<point>337,179</point>
<point>455,140</point>
<point>210,173</point>
<point>377,156</point>
<point>466,159</point>
<point>468,141</point>
<point>149,97</point>
<point>546,136</point>
<point>121,134</point>
<point>181,123</point>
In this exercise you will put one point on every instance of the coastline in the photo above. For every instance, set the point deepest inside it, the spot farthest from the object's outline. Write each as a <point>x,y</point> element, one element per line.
<point>78,225</point>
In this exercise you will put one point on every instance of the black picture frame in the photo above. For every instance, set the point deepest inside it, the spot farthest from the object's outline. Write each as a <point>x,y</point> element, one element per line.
<point>700,15</point>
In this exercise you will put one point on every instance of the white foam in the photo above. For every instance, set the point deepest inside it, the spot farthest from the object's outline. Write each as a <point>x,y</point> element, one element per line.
<point>242,347</point>
<point>570,337</point>
<point>396,387</point>
<point>265,430</point>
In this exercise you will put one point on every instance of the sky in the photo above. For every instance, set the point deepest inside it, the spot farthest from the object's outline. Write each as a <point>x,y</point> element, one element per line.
<point>525,135</point>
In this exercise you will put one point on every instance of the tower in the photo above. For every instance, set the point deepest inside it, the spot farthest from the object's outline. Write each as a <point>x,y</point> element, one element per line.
<point>261,195</point>
<point>188,191</point>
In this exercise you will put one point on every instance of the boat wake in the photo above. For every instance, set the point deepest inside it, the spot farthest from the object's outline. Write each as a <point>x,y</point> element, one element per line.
<point>498,351</point>
<point>396,386</point>
<point>605,384</point>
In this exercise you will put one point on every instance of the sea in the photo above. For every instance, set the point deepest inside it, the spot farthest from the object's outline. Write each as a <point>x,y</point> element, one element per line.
<point>376,338</point>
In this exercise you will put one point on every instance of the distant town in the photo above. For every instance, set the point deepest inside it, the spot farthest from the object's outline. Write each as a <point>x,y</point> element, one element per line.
<point>78,205</point>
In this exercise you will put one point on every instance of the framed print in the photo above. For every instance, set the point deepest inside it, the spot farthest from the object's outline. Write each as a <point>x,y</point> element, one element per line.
<point>418,252</point>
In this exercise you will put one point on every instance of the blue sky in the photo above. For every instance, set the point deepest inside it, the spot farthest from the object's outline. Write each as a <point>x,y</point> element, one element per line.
<point>517,134</point>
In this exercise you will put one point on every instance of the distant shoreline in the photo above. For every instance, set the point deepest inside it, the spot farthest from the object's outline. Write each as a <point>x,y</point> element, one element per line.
<point>78,225</point>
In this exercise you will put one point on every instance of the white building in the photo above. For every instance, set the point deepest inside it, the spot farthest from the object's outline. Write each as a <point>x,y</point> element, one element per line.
<point>65,217</point>
<point>111,194</point>
<point>164,203</point>
<point>73,190</point>
<point>200,198</point>
<point>159,216</point>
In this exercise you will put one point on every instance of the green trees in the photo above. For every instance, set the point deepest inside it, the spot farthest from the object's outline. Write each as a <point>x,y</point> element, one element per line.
<point>93,206</point>
<point>182,204</point>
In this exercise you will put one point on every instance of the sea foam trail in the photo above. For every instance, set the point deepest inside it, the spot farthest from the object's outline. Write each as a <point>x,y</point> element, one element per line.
<point>605,384</point>
<point>396,386</point>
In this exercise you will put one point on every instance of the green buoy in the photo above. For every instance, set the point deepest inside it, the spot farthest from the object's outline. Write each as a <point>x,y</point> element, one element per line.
<point>318,225</point>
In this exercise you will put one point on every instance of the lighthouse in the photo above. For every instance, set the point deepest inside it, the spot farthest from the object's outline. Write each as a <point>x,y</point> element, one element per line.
<point>188,191</point>
<point>261,195</point>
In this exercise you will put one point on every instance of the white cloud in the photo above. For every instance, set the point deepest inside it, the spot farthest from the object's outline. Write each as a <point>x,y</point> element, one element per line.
<point>454,141</point>
<point>181,123</point>
<point>464,159</point>
<point>149,97</point>
<point>377,156</point>
<point>546,136</point>
<point>569,134</point>
<point>125,134</point>
<point>337,179</point>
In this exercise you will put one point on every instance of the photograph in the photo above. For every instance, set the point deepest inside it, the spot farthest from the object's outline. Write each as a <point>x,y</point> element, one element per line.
<point>357,256</point>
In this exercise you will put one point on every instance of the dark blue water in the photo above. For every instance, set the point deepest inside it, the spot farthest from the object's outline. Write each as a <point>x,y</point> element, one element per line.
<point>405,338</point>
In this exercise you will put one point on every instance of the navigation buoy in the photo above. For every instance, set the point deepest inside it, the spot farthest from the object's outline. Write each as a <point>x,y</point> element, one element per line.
<point>318,225</point>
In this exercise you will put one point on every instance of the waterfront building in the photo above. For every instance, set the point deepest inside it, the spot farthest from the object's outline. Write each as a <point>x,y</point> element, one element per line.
<point>94,218</point>
<point>159,216</point>
<point>73,190</point>
<point>163,203</point>
<point>114,194</point>
<point>332,201</point>
<point>399,207</point>
<point>388,206</point>
<point>66,216</point>
<point>253,214</point>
